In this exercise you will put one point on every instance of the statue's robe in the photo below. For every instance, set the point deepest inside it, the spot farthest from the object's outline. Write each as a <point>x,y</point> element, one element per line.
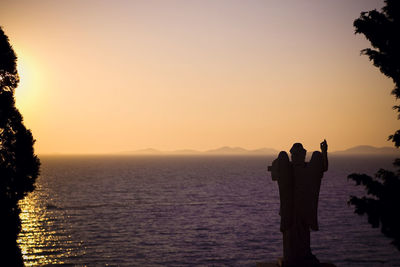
<point>315,172</point>
<point>282,173</point>
<point>298,190</point>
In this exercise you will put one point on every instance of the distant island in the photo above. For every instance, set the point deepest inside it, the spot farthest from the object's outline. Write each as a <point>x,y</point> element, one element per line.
<point>227,150</point>
<point>368,150</point>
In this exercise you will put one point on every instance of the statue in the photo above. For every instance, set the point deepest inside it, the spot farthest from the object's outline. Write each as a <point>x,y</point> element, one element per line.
<point>299,183</point>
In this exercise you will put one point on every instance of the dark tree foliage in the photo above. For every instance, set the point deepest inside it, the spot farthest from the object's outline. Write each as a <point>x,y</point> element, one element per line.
<point>382,29</point>
<point>19,166</point>
<point>382,206</point>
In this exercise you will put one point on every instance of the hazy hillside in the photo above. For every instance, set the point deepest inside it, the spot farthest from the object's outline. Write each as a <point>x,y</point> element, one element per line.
<point>365,150</point>
<point>227,150</point>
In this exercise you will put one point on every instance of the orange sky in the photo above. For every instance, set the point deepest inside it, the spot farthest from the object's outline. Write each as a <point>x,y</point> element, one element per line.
<point>110,76</point>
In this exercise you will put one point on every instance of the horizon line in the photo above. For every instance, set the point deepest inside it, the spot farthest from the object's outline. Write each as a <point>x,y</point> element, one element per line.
<point>223,151</point>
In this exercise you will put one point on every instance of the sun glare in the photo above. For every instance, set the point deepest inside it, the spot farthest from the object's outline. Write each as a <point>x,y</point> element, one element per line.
<point>27,92</point>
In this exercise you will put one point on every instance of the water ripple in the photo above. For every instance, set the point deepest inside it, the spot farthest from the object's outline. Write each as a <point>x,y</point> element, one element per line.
<point>177,211</point>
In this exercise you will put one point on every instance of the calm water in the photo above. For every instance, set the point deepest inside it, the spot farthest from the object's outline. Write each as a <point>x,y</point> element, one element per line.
<point>186,211</point>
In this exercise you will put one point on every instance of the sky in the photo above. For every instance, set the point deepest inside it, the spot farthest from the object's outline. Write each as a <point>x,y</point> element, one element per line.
<point>113,76</point>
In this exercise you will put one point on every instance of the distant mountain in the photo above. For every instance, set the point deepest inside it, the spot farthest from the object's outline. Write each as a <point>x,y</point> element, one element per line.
<point>368,150</point>
<point>185,152</point>
<point>265,151</point>
<point>146,151</point>
<point>226,150</point>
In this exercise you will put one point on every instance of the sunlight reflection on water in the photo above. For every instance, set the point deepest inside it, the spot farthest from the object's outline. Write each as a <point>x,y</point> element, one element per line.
<point>42,233</point>
<point>32,237</point>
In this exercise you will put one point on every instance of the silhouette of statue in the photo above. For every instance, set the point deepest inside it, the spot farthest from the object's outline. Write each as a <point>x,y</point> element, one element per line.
<point>299,183</point>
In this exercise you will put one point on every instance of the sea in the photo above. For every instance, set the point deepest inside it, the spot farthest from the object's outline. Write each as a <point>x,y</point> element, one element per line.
<point>187,211</point>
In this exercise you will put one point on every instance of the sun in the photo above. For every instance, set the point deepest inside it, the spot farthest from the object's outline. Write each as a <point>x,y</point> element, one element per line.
<point>27,92</point>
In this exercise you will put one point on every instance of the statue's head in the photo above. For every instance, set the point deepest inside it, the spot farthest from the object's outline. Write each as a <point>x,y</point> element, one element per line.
<point>298,154</point>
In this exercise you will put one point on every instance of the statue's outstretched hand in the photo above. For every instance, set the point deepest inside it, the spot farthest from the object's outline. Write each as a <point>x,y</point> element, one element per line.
<point>324,146</point>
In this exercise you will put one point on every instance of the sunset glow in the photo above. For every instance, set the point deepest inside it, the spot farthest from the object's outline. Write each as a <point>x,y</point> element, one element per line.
<point>114,76</point>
